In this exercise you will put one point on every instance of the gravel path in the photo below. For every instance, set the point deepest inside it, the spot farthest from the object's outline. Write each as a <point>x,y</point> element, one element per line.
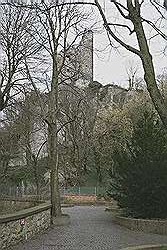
<point>91,229</point>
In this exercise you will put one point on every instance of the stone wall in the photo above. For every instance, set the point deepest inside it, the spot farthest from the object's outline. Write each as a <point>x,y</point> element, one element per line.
<point>148,226</point>
<point>23,224</point>
<point>147,247</point>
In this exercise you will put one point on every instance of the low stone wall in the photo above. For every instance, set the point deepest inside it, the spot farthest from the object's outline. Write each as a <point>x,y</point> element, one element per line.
<point>23,224</point>
<point>148,226</point>
<point>146,247</point>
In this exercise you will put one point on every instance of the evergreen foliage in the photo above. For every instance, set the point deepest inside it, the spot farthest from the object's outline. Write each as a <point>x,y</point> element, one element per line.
<point>139,173</point>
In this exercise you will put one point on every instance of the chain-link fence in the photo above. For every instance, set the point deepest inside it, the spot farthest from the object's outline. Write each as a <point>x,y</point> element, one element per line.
<point>21,192</point>
<point>82,190</point>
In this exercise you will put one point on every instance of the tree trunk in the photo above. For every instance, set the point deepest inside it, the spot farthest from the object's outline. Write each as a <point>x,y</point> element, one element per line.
<point>149,73</point>
<point>53,143</point>
<point>37,182</point>
<point>54,180</point>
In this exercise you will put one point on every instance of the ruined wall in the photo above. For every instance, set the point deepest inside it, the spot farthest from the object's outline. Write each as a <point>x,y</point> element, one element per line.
<point>108,95</point>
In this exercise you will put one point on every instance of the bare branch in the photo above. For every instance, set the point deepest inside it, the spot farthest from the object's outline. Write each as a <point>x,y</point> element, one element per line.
<point>122,25</point>
<point>117,39</point>
<point>164,36</point>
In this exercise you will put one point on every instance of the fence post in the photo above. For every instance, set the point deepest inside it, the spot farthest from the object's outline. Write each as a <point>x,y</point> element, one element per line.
<point>95,191</point>
<point>79,190</point>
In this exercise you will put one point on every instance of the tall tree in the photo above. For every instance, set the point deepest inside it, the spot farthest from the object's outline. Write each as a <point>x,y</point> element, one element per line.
<point>15,43</point>
<point>133,20</point>
<point>59,28</point>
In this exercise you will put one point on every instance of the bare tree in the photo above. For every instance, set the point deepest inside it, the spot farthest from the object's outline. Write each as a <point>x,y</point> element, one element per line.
<point>59,28</point>
<point>29,129</point>
<point>131,13</point>
<point>134,22</point>
<point>15,43</point>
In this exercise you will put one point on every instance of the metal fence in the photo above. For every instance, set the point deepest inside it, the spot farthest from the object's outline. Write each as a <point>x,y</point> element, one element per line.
<point>94,191</point>
<point>45,193</point>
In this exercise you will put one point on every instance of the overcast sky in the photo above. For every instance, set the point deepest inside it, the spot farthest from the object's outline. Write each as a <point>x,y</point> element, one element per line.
<point>110,65</point>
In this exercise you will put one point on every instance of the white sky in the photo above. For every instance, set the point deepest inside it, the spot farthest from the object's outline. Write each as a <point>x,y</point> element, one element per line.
<point>110,65</point>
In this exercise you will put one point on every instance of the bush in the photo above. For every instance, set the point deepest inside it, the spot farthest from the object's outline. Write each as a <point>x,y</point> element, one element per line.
<point>139,174</point>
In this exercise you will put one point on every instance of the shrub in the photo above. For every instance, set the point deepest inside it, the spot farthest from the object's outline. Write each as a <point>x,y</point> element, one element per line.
<point>139,174</point>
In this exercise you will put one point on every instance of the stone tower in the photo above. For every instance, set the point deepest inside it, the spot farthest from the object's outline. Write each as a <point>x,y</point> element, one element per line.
<point>78,66</point>
<point>86,59</point>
